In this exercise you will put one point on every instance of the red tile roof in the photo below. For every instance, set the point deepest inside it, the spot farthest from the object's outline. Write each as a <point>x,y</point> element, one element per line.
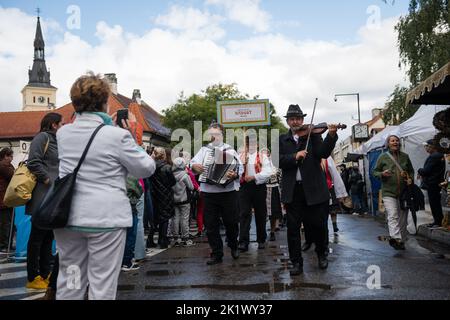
<point>26,124</point>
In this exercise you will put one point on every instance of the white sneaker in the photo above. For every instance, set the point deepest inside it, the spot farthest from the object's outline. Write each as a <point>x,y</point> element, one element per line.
<point>178,243</point>
<point>188,243</point>
<point>133,267</point>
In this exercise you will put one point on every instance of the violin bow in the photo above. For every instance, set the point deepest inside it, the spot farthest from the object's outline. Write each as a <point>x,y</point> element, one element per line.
<point>310,127</point>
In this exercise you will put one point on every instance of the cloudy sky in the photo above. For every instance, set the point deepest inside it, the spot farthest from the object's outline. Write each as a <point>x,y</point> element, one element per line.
<point>283,50</point>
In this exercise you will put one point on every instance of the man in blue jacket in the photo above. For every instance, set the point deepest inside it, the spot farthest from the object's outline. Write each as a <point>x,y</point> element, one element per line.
<point>432,174</point>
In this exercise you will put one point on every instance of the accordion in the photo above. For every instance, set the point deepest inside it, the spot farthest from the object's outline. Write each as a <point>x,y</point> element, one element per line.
<point>217,163</point>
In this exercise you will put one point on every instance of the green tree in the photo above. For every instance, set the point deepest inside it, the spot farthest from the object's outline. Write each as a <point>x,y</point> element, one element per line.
<point>203,107</point>
<point>424,38</point>
<point>423,42</point>
<point>396,111</point>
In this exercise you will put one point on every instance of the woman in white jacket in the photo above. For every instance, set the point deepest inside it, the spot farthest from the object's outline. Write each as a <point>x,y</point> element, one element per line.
<point>91,247</point>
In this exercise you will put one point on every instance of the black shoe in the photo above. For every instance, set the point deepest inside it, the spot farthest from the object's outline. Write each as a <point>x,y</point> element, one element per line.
<point>401,246</point>
<point>323,262</point>
<point>151,244</point>
<point>213,261</point>
<point>261,246</point>
<point>243,247</point>
<point>297,269</point>
<point>164,245</point>
<point>235,254</point>
<point>272,236</point>
<point>335,228</point>
<point>396,244</point>
<point>306,246</point>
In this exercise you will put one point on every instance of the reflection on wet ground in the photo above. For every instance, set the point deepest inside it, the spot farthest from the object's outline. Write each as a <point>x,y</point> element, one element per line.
<point>420,272</point>
<point>256,287</point>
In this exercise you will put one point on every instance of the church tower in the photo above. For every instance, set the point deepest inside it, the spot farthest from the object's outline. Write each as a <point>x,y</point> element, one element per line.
<point>39,94</point>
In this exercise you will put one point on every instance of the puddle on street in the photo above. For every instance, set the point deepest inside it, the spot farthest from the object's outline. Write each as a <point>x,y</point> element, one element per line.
<point>126,287</point>
<point>256,288</point>
<point>163,273</point>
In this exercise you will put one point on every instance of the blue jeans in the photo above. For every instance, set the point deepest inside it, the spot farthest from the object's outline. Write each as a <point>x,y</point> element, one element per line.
<point>358,203</point>
<point>139,249</point>
<point>131,241</point>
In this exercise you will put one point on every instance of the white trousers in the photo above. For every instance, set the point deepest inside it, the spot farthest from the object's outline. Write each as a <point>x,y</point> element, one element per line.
<point>92,259</point>
<point>397,218</point>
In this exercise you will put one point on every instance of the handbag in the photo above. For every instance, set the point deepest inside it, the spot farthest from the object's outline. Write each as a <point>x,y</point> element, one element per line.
<point>21,186</point>
<point>55,208</point>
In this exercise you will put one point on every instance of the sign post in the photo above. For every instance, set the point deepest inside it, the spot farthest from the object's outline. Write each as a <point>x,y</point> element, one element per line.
<point>243,113</point>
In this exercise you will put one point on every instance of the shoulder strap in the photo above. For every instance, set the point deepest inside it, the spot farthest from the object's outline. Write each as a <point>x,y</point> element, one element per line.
<point>47,144</point>
<point>87,148</point>
<point>395,161</point>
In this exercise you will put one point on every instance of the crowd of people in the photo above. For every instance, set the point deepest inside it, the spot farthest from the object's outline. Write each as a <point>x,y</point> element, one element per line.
<point>124,192</point>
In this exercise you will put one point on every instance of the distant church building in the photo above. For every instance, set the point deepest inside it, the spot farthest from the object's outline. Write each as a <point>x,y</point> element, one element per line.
<point>17,129</point>
<point>39,94</point>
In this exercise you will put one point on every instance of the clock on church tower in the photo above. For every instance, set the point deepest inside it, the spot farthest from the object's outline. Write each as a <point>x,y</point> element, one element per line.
<point>38,94</point>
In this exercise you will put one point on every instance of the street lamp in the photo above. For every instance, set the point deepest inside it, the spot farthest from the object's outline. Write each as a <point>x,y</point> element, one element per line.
<point>350,94</point>
<point>354,137</point>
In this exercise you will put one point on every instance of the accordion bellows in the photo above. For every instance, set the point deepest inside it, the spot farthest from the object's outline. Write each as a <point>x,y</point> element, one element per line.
<point>217,163</point>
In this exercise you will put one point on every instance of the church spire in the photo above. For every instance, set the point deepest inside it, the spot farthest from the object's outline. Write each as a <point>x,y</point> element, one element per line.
<point>39,39</point>
<point>38,75</point>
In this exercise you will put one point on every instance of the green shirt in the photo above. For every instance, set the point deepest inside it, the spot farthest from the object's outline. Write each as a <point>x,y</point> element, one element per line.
<point>392,186</point>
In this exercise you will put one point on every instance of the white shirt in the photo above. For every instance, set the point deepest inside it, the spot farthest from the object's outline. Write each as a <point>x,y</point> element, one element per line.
<point>209,188</point>
<point>339,187</point>
<point>299,175</point>
<point>266,168</point>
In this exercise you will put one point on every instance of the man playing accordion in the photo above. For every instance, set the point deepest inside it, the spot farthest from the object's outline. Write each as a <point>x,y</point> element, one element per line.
<point>220,169</point>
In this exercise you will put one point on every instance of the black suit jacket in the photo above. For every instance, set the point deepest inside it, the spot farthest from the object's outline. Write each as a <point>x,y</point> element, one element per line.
<point>433,172</point>
<point>313,177</point>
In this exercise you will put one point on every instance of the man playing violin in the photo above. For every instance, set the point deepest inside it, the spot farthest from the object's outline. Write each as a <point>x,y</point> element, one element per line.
<point>304,186</point>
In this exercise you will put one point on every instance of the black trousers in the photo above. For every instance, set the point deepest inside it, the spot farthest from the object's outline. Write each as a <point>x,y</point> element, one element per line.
<point>315,219</point>
<point>162,229</point>
<point>252,196</point>
<point>223,206</point>
<point>54,274</point>
<point>434,195</point>
<point>5,227</point>
<point>39,253</point>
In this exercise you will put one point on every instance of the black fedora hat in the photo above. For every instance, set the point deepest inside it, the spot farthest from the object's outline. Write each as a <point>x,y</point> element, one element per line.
<point>295,111</point>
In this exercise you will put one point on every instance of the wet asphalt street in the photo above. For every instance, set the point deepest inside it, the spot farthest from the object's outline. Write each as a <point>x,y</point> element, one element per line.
<point>420,272</point>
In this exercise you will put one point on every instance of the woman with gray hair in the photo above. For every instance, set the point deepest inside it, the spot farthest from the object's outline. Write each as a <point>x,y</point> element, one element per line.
<point>395,171</point>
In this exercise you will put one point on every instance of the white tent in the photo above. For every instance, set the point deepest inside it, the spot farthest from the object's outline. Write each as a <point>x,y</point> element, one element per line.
<point>417,130</point>
<point>379,139</point>
<point>414,132</point>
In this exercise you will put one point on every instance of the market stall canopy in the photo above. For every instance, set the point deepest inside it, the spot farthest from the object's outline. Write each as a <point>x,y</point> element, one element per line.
<point>379,140</point>
<point>434,90</point>
<point>418,128</point>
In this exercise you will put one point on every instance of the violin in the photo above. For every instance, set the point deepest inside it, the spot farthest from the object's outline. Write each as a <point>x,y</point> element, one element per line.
<point>320,129</point>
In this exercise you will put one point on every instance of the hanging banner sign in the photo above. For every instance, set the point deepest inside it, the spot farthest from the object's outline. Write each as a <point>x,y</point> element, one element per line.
<point>243,113</point>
